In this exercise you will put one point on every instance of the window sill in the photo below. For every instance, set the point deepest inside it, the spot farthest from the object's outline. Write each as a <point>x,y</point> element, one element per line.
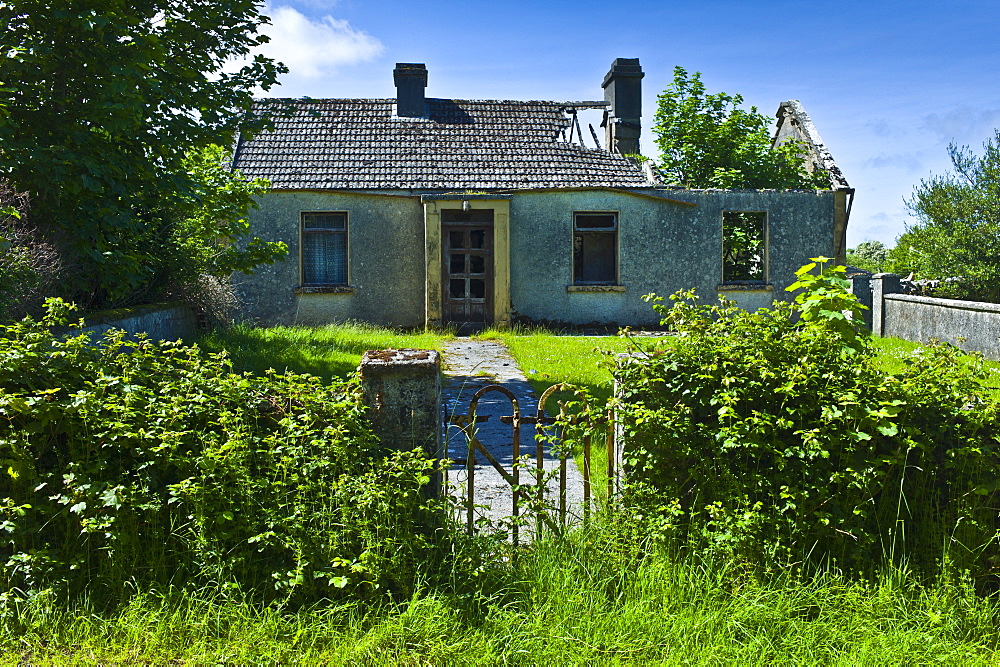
<point>325,289</point>
<point>595,288</point>
<point>745,287</point>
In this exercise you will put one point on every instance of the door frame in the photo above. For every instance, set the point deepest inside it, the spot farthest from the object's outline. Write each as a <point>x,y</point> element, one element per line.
<point>433,253</point>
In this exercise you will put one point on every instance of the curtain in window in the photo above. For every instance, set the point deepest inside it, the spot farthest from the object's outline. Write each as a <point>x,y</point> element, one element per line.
<point>324,258</point>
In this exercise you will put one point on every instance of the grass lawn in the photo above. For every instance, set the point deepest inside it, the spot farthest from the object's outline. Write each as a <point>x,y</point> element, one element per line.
<point>548,358</point>
<point>331,351</point>
<point>601,598</point>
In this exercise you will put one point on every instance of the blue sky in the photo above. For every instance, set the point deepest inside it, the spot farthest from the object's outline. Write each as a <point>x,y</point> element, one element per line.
<point>889,84</point>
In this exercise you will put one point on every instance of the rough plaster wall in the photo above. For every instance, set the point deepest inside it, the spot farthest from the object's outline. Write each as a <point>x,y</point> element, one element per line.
<point>385,262</point>
<point>969,325</point>
<point>172,321</point>
<point>663,247</point>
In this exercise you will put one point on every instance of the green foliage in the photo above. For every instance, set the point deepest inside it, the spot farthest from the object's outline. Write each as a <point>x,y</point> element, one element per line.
<point>15,262</point>
<point>28,266</point>
<point>708,140</point>
<point>869,255</point>
<point>152,465</point>
<point>775,436</point>
<point>211,228</point>
<point>827,303</point>
<point>103,102</point>
<point>742,246</point>
<point>957,234</point>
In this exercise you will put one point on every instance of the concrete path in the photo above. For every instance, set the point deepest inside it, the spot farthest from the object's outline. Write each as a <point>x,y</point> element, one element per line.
<point>470,366</point>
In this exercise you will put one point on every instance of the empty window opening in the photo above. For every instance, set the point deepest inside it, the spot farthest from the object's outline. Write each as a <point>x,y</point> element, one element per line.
<point>595,248</point>
<point>324,248</point>
<point>744,247</point>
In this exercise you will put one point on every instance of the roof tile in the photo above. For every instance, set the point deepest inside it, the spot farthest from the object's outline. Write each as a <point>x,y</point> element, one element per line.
<point>468,144</point>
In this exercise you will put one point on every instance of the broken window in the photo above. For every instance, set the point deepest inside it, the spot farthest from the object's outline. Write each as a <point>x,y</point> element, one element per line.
<point>744,247</point>
<point>595,248</point>
<point>324,248</point>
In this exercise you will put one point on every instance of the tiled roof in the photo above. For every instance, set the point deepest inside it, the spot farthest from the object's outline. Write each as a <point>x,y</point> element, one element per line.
<point>464,144</point>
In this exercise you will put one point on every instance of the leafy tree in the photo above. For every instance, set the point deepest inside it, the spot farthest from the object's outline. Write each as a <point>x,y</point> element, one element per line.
<point>708,140</point>
<point>869,255</point>
<point>957,233</point>
<point>101,104</point>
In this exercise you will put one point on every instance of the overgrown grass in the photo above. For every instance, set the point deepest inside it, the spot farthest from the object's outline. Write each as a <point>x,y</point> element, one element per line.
<point>548,358</point>
<point>892,351</point>
<point>601,597</point>
<point>331,351</point>
<point>607,594</point>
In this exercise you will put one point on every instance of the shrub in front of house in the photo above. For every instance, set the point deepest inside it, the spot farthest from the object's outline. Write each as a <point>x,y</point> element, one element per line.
<point>775,437</point>
<point>151,465</point>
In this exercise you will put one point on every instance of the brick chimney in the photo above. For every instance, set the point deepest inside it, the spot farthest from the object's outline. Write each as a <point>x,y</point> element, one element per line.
<point>411,80</point>
<point>623,89</point>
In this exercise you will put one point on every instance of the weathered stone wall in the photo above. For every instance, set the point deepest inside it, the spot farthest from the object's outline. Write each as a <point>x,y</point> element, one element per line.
<point>385,262</point>
<point>664,246</point>
<point>160,321</point>
<point>402,391</point>
<point>969,325</point>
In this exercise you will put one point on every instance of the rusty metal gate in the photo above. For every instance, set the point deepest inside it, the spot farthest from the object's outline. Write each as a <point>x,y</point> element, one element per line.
<point>532,497</point>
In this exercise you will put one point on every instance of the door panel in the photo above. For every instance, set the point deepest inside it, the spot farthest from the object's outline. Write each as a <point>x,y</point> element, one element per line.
<point>468,273</point>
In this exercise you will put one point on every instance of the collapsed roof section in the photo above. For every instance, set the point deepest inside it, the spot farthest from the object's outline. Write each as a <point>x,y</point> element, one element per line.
<point>794,124</point>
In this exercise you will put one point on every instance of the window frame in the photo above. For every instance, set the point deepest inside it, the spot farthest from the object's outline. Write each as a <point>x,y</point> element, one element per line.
<point>304,233</point>
<point>616,252</point>
<point>764,244</point>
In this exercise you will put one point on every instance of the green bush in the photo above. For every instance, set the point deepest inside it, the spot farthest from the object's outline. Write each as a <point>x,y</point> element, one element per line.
<point>775,437</point>
<point>151,465</point>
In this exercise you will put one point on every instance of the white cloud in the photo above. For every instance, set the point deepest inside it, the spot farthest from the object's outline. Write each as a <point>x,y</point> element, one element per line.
<point>963,124</point>
<point>314,48</point>
<point>909,162</point>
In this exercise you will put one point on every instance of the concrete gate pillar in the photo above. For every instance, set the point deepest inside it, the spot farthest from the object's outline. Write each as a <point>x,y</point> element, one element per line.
<point>882,284</point>
<point>402,391</point>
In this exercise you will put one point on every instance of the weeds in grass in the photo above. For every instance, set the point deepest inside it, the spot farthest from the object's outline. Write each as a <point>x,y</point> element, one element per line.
<point>602,595</point>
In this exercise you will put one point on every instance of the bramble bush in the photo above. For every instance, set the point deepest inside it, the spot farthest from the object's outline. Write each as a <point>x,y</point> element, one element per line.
<point>775,437</point>
<point>141,465</point>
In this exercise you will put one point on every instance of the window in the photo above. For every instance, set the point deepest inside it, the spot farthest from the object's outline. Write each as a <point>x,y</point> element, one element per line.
<point>744,247</point>
<point>595,248</point>
<point>324,248</point>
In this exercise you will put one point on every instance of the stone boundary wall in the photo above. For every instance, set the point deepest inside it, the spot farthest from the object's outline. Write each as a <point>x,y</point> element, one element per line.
<point>160,321</point>
<point>973,326</point>
<point>969,325</point>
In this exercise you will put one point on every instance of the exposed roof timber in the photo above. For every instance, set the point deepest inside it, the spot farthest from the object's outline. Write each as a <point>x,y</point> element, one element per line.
<point>584,105</point>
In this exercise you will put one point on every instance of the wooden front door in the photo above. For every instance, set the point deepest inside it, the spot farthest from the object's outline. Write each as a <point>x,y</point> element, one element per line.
<point>467,268</point>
